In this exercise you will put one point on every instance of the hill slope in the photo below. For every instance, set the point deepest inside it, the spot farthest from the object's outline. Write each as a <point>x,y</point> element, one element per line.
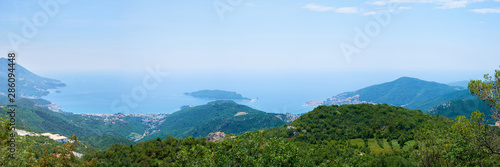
<point>427,104</point>
<point>226,116</point>
<point>465,107</point>
<point>28,84</point>
<point>360,121</point>
<point>404,91</point>
<point>35,117</point>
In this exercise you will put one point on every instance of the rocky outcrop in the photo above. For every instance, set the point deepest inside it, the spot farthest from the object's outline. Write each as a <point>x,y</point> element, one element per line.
<point>216,136</point>
<point>287,117</point>
<point>295,133</point>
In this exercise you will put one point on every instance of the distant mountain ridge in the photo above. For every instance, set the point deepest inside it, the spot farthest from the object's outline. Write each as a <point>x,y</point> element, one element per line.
<point>28,84</point>
<point>405,91</point>
<point>427,104</point>
<point>459,83</point>
<point>464,107</point>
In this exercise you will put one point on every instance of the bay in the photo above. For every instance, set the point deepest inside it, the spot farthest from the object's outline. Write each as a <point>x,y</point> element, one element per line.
<point>277,92</point>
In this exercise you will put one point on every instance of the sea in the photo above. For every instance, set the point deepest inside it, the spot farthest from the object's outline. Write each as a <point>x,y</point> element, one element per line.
<point>99,92</point>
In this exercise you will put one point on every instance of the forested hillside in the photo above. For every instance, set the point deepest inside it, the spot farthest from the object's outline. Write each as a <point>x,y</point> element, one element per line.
<point>408,92</point>
<point>457,108</point>
<point>36,118</point>
<point>352,135</point>
<point>362,121</point>
<point>226,116</point>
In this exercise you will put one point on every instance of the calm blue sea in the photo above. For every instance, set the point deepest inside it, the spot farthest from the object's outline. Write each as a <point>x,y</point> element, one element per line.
<point>277,92</point>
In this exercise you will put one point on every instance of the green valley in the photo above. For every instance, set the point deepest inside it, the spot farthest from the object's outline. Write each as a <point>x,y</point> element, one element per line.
<point>226,116</point>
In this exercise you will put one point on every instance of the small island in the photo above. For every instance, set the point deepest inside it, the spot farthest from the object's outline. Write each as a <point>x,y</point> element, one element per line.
<point>218,94</point>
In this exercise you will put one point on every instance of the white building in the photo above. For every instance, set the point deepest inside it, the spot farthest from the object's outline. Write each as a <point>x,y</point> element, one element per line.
<point>56,137</point>
<point>497,123</point>
<point>25,133</point>
<point>22,132</point>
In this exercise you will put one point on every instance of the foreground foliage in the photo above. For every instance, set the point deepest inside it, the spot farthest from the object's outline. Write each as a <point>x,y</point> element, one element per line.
<point>432,141</point>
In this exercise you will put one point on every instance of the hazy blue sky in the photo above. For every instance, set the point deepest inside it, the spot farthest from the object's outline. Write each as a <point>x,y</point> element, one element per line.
<point>252,35</point>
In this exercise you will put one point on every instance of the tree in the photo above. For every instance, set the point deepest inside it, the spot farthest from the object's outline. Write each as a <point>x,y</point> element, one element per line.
<point>488,91</point>
<point>24,155</point>
<point>475,144</point>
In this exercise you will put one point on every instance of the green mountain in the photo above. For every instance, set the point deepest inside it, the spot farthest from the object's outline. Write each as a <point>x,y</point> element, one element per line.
<point>427,104</point>
<point>360,121</point>
<point>407,92</point>
<point>28,84</point>
<point>463,84</point>
<point>217,94</point>
<point>465,107</point>
<point>221,115</point>
<point>34,117</point>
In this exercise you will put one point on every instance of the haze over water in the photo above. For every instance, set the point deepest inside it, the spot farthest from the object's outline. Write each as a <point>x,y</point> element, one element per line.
<point>277,92</point>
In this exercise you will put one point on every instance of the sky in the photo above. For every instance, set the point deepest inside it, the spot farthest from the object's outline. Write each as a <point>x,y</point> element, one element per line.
<point>252,35</point>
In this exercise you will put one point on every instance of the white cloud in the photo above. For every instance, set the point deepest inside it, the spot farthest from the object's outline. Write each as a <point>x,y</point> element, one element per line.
<point>444,4</point>
<point>321,8</point>
<point>378,3</point>
<point>369,13</point>
<point>318,8</point>
<point>453,4</point>
<point>377,11</point>
<point>486,10</point>
<point>347,10</point>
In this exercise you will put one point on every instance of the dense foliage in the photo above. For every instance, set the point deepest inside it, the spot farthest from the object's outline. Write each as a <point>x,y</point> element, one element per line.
<point>488,90</point>
<point>362,121</point>
<point>466,143</point>
<point>219,115</point>
<point>249,149</point>
<point>39,151</point>
<point>105,141</point>
<point>431,141</point>
<point>456,108</point>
